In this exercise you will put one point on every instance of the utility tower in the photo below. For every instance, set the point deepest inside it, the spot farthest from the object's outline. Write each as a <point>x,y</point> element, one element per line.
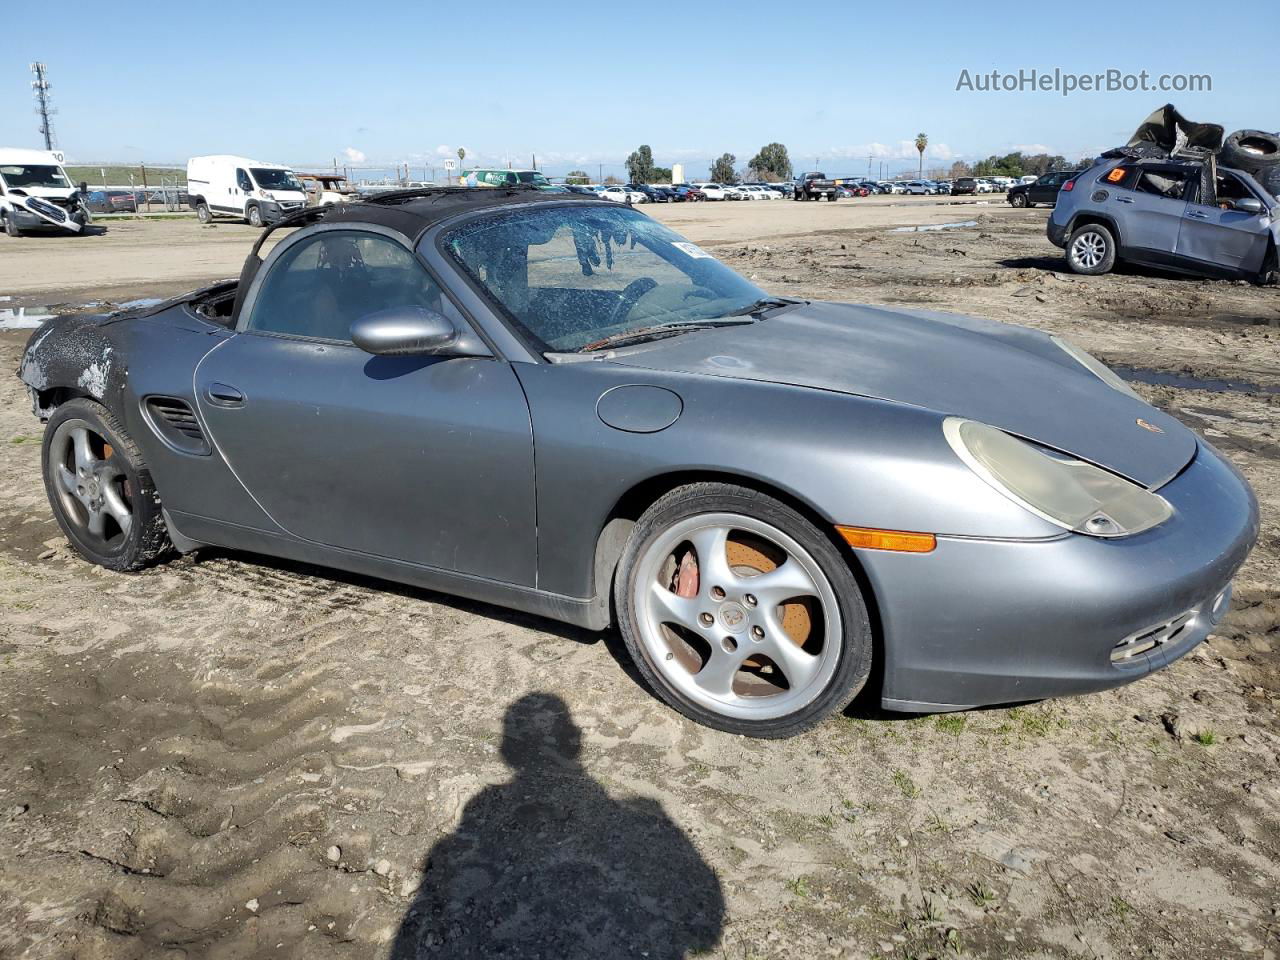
<point>41,87</point>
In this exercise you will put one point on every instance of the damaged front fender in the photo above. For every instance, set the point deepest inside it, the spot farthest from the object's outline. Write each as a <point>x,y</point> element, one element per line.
<point>72,356</point>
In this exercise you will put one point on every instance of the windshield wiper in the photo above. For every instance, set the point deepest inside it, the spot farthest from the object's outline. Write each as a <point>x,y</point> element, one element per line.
<point>659,331</point>
<point>763,304</point>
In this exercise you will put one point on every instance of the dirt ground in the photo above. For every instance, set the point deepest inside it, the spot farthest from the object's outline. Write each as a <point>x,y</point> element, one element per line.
<point>230,756</point>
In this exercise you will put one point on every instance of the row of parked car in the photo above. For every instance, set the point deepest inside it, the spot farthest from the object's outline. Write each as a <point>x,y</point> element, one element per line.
<point>684,192</point>
<point>650,193</point>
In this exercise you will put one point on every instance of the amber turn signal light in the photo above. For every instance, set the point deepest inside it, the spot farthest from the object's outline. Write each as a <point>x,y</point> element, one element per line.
<point>900,540</point>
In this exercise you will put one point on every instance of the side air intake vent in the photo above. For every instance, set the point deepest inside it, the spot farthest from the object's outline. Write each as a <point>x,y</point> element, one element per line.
<point>175,423</point>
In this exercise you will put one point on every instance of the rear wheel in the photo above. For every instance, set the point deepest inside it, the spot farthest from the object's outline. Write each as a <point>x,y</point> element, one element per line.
<point>1091,250</point>
<point>100,489</point>
<point>740,613</point>
<point>203,213</point>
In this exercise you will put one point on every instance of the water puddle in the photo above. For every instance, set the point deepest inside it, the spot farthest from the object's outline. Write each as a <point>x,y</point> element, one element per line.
<point>931,227</point>
<point>1162,378</point>
<point>22,318</point>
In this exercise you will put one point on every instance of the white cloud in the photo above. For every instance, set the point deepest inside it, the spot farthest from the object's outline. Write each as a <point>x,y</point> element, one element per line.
<point>354,156</point>
<point>902,150</point>
<point>1033,148</point>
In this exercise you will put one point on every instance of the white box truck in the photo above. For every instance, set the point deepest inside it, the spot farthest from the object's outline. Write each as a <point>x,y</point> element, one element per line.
<point>37,194</point>
<point>250,190</point>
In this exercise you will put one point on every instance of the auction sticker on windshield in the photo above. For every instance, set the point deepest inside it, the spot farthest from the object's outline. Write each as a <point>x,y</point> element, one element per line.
<point>693,250</point>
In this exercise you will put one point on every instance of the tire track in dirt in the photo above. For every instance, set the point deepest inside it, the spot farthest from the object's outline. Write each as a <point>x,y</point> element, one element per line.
<point>208,803</point>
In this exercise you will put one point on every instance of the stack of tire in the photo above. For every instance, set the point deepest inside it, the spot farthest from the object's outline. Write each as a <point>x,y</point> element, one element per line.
<point>1256,153</point>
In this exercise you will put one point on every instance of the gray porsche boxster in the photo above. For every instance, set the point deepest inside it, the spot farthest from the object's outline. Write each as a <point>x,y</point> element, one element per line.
<point>556,404</point>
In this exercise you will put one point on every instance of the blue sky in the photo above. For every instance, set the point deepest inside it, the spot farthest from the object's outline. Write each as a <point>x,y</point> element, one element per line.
<point>408,82</point>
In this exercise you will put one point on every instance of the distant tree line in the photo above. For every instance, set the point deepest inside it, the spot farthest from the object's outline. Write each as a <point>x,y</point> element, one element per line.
<point>770,164</point>
<point>1014,164</point>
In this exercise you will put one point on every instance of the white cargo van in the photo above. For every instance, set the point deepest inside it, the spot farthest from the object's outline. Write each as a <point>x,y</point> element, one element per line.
<point>250,190</point>
<point>37,194</point>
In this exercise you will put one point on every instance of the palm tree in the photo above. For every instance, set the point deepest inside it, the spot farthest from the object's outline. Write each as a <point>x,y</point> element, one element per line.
<point>922,141</point>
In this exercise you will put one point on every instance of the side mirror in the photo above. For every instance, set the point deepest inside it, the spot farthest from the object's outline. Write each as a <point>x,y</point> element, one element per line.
<point>404,332</point>
<point>1248,205</point>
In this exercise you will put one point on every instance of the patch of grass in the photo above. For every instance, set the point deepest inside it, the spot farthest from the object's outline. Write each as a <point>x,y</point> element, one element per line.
<point>902,780</point>
<point>1034,722</point>
<point>981,894</point>
<point>1120,907</point>
<point>935,823</point>
<point>826,820</point>
<point>952,723</point>
<point>117,175</point>
<point>929,913</point>
<point>23,439</point>
<point>1206,738</point>
<point>800,887</point>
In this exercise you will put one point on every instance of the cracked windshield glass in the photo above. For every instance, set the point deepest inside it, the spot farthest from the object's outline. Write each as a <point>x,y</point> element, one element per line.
<point>573,276</point>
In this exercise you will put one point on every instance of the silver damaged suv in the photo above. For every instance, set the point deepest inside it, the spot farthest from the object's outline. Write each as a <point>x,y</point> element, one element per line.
<point>1176,216</point>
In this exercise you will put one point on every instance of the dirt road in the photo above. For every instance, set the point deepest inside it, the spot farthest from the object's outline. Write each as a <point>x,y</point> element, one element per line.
<point>228,756</point>
<point>167,256</point>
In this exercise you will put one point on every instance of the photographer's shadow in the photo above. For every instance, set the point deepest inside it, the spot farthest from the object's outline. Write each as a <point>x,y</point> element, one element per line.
<point>549,865</point>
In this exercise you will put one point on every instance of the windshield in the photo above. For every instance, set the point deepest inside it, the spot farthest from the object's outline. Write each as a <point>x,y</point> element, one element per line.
<point>532,176</point>
<point>269,178</point>
<point>34,175</point>
<point>570,276</point>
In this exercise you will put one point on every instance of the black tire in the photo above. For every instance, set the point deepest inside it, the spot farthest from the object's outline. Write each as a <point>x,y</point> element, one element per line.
<point>11,228</point>
<point>203,213</point>
<point>1270,180</point>
<point>1018,200</point>
<point>854,656</point>
<point>1104,241</point>
<point>254,215</point>
<point>1253,151</point>
<point>147,539</point>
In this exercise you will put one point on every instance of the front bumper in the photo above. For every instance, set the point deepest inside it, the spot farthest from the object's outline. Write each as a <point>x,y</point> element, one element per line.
<point>980,622</point>
<point>273,211</point>
<point>26,220</point>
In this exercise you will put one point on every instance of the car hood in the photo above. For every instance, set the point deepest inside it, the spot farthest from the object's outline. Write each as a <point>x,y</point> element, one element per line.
<point>1011,377</point>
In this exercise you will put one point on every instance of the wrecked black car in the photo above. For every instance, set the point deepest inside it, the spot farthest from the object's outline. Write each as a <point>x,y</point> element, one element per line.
<point>1179,197</point>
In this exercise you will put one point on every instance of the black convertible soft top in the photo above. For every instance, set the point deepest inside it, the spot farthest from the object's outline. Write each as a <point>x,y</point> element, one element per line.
<point>408,212</point>
<point>412,211</point>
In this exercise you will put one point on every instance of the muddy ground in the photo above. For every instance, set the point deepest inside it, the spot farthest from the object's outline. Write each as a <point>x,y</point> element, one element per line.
<point>230,756</point>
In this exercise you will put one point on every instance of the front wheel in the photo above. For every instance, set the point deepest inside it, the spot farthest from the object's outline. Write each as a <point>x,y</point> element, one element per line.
<point>100,489</point>
<point>1091,250</point>
<point>11,228</point>
<point>255,216</point>
<point>1018,200</point>
<point>740,613</point>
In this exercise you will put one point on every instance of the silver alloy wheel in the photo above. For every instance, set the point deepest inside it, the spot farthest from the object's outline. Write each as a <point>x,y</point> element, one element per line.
<point>91,484</point>
<point>729,639</point>
<point>1089,249</point>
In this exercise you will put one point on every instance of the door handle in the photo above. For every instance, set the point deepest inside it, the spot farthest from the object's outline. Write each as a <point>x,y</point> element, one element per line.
<point>1124,199</point>
<point>1197,215</point>
<point>223,395</point>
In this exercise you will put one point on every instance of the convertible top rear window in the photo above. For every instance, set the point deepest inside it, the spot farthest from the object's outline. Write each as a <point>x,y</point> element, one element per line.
<point>568,276</point>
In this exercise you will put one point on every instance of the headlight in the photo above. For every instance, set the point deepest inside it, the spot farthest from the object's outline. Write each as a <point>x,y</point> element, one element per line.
<point>1095,366</point>
<point>1070,493</point>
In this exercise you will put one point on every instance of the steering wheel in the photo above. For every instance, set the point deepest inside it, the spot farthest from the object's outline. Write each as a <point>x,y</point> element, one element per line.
<point>630,296</point>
